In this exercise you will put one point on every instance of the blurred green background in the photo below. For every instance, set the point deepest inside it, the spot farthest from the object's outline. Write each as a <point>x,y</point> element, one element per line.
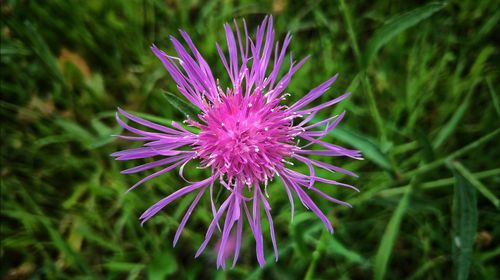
<point>424,111</point>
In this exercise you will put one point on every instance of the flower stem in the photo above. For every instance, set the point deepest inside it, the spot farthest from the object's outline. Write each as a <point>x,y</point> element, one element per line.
<point>315,256</point>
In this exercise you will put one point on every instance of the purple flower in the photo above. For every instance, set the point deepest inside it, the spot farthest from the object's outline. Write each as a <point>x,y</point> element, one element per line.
<point>245,135</point>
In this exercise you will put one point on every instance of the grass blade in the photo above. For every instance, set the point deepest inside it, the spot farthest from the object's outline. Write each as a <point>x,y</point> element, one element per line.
<point>397,25</point>
<point>426,149</point>
<point>369,149</point>
<point>391,231</point>
<point>464,222</point>
<point>334,247</point>
<point>182,106</point>
<point>153,118</point>
<point>494,96</point>
<point>462,151</point>
<point>438,183</point>
<point>427,267</point>
<point>75,130</point>
<point>475,73</point>
<point>364,78</point>
<point>476,183</point>
<point>350,30</point>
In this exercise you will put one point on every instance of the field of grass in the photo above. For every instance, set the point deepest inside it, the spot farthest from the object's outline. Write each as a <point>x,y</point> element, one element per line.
<point>425,112</point>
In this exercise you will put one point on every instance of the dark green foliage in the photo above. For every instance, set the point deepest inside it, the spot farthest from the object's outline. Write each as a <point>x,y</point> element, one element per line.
<point>424,111</point>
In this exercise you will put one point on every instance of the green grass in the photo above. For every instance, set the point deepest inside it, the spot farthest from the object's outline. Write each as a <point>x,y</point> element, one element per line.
<point>424,111</point>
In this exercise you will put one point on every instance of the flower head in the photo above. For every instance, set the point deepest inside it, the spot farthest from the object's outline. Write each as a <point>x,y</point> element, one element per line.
<point>246,135</point>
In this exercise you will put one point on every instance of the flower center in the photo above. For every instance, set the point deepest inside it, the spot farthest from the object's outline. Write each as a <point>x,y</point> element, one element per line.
<point>245,138</point>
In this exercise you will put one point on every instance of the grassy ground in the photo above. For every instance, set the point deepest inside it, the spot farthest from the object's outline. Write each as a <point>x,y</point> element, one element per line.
<point>425,112</point>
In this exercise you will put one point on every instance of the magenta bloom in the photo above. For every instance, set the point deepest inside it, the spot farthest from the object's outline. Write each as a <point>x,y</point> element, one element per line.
<point>245,135</point>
